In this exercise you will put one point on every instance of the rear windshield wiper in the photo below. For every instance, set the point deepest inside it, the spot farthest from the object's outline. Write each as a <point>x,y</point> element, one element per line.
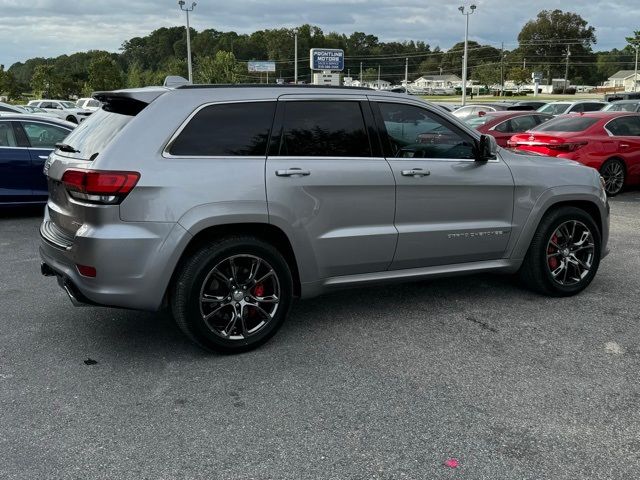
<point>66,148</point>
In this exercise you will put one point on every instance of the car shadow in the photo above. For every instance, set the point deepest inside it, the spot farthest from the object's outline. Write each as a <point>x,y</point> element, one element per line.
<point>28,211</point>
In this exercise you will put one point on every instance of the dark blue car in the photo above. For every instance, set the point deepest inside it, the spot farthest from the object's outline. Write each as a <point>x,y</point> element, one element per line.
<point>25,143</point>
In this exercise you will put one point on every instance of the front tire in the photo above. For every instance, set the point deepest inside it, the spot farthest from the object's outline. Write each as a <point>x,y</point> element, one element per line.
<point>614,173</point>
<point>564,255</point>
<point>72,119</point>
<point>232,295</point>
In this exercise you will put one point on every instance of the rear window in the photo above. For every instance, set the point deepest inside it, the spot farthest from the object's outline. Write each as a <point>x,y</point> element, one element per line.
<point>554,108</point>
<point>566,124</point>
<point>94,134</point>
<point>232,129</point>
<point>621,107</point>
<point>476,122</point>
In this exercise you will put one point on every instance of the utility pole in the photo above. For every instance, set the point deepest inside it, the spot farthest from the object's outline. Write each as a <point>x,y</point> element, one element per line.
<point>406,72</point>
<point>524,63</point>
<point>502,70</point>
<point>295,56</point>
<point>360,73</point>
<point>566,71</point>
<point>378,76</point>
<point>181,3</point>
<point>635,73</point>
<point>464,59</point>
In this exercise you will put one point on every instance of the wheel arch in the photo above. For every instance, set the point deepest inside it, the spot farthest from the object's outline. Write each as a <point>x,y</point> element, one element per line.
<point>552,199</point>
<point>263,231</point>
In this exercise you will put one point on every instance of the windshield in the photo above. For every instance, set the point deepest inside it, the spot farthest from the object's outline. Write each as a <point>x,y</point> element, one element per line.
<point>68,104</point>
<point>554,108</point>
<point>620,107</point>
<point>95,133</point>
<point>566,124</point>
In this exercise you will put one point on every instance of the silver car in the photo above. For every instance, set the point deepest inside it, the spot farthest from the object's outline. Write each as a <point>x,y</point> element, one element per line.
<point>225,203</point>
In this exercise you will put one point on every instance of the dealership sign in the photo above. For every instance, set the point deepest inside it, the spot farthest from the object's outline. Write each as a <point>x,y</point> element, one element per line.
<point>261,66</point>
<point>326,59</point>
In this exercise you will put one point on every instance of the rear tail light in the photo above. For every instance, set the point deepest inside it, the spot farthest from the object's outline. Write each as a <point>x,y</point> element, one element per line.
<point>557,146</point>
<point>103,187</point>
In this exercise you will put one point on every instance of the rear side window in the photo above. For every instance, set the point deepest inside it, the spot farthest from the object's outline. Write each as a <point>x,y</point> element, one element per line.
<point>232,129</point>
<point>523,123</point>
<point>554,108</point>
<point>324,129</point>
<point>566,124</point>
<point>593,107</point>
<point>625,126</point>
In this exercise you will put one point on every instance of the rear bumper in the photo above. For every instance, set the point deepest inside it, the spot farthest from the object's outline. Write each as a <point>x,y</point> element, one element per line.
<point>134,263</point>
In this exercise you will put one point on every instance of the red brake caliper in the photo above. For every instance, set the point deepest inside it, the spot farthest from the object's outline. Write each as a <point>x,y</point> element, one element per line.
<point>258,291</point>
<point>553,261</point>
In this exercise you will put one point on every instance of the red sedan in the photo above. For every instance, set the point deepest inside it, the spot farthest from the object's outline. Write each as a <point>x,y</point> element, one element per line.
<point>503,124</point>
<point>606,141</point>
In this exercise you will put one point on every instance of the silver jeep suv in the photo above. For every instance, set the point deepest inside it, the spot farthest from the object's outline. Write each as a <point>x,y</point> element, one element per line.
<point>224,203</point>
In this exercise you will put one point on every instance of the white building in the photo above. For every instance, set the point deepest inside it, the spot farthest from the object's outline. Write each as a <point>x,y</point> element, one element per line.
<point>438,81</point>
<point>377,84</point>
<point>623,78</point>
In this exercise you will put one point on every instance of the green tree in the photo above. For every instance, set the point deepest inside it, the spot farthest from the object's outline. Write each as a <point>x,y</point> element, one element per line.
<point>370,75</point>
<point>519,76</point>
<point>222,68</point>
<point>487,74</point>
<point>544,42</point>
<point>477,55</point>
<point>45,82</point>
<point>634,43</point>
<point>135,76</point>
<point>104,74</point>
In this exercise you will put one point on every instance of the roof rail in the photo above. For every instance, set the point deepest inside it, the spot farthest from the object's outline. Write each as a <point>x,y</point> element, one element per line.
<point>269,85</point>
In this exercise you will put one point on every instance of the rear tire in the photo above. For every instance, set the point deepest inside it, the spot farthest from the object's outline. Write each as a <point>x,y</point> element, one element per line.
<point>614,173</point>
<point>72,119</point>
<point>564,255</point>
<point>232,295</point>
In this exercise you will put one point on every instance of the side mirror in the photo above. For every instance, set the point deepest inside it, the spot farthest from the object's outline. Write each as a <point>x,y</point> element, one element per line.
<point>485,149</point>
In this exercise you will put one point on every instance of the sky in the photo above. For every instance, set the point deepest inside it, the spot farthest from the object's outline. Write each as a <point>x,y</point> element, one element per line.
<point>48,28</point>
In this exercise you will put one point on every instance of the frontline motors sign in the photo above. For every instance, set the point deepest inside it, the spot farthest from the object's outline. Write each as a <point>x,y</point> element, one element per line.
<point>326,59</point>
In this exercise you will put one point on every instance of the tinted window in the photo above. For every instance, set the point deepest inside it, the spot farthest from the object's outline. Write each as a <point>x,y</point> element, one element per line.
<point>578,107</point>
<point>476,122</point>
<point>7,137</point>
<point>625,126</point>
<point>324,129</point>
<point>233,129</point>
<point>42,135</point>
<point>95,133</point>
<point>415,133</point>
<point>523,123</point>
<point>593,107</point>
<point>5,109</point>
<point>566,124</point>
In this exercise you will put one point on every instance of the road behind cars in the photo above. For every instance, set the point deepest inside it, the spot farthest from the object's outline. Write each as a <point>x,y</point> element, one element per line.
<point>370,383</point>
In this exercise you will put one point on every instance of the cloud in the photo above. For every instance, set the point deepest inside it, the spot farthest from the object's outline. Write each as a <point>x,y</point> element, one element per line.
<point>52,27</point>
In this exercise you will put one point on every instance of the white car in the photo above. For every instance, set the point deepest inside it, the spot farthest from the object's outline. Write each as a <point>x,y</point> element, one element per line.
<point>88,104</point>
<point>560,107</point>
<point>62,109</point>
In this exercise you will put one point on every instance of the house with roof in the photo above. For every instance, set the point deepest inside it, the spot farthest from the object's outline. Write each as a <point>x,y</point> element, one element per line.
<point>438,81</point>
<point>623,78</point>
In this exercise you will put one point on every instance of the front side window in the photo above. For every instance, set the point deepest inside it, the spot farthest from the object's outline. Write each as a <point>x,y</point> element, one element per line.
<point>593,107</point>
<point>324,129</point>
<point>413,132</point>
<point>42,135</point>
<point>232,129</point>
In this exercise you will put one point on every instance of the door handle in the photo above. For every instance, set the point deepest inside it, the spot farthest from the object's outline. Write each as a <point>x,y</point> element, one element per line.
<point>624,145</point>
<point>43,157</point>
<point>292,172</point>
<point>416,172</point>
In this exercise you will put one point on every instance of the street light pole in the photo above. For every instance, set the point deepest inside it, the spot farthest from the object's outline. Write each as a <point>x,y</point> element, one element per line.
<point>566,71</point>
<point>472,9</point>
<point>181,3</point>
<point>295,56</point>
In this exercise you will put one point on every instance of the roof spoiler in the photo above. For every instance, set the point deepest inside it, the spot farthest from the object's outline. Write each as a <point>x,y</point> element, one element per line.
<point>130,101</point>
<point>172,81</point>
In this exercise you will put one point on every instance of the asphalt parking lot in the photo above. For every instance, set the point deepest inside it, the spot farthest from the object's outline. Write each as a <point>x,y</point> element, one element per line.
<point>372,383</point>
